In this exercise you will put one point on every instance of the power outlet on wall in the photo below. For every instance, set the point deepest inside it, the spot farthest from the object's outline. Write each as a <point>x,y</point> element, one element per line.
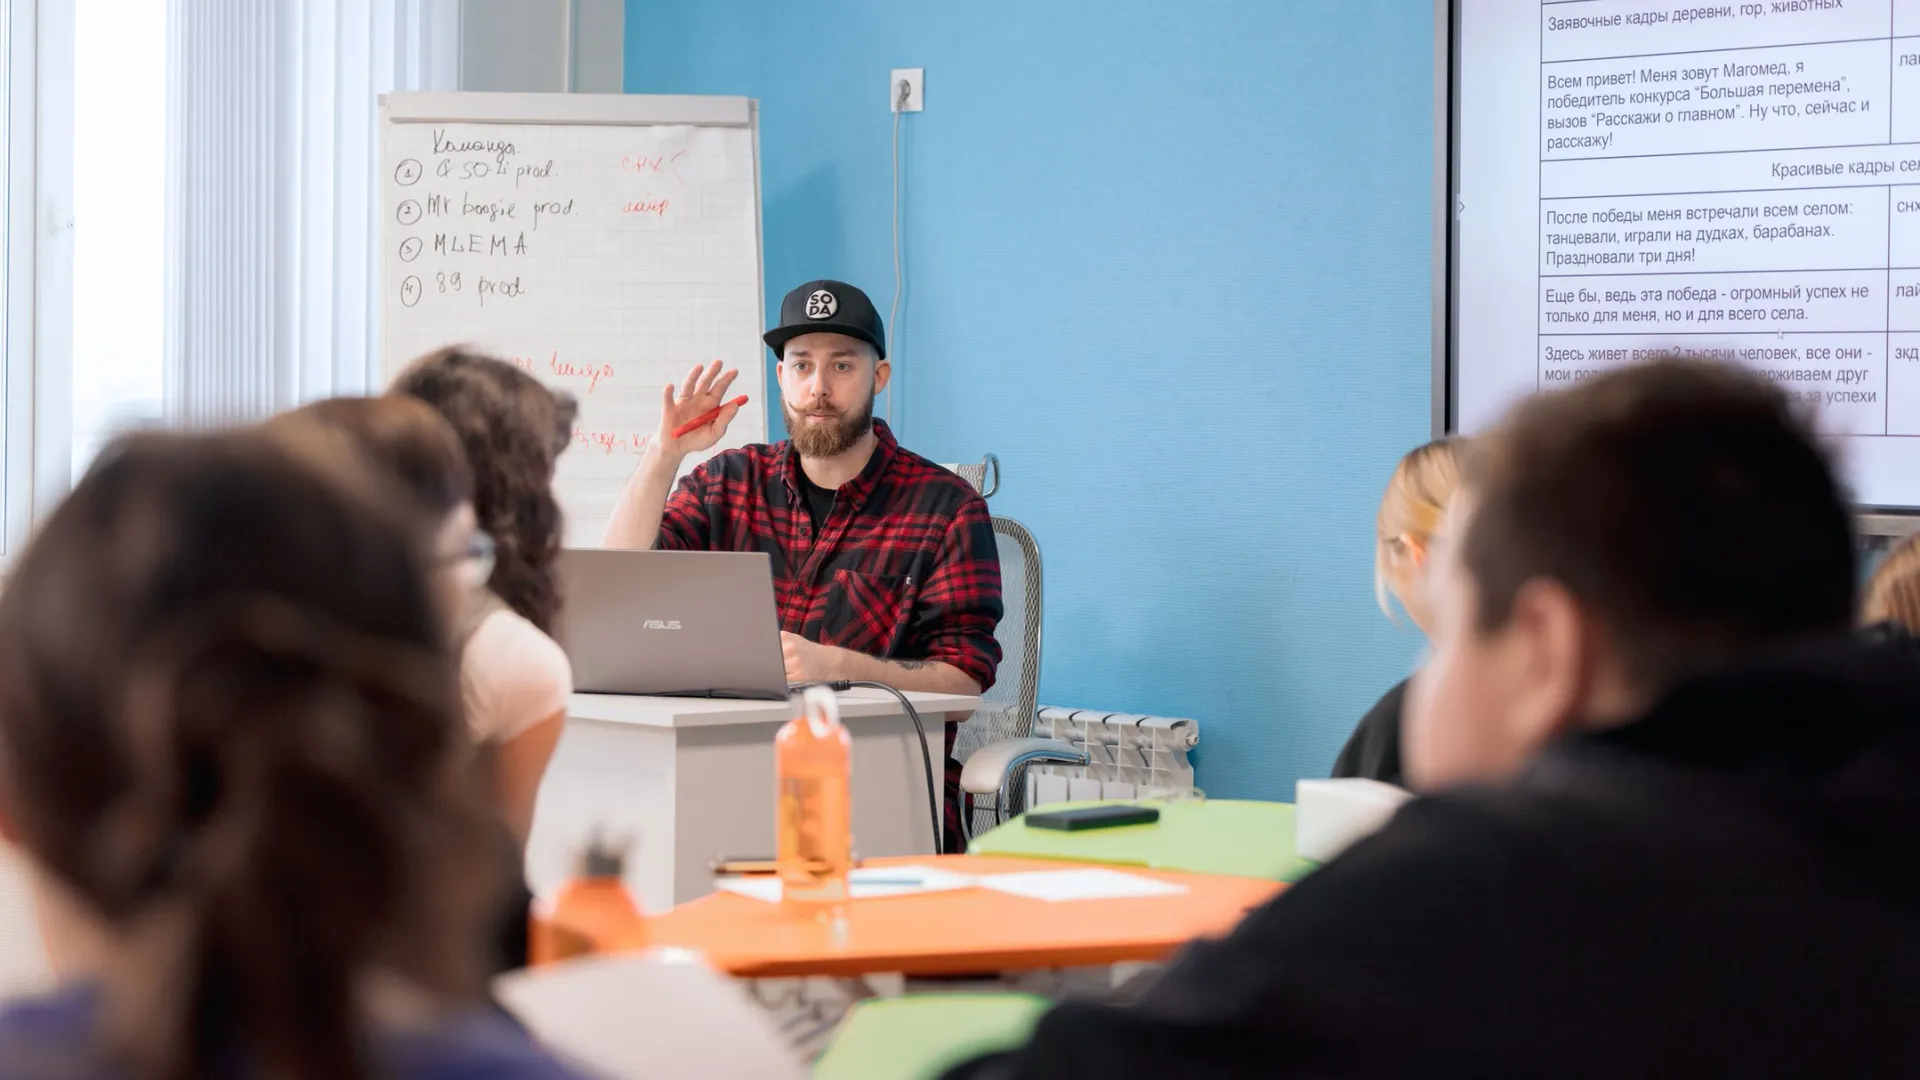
<point>915,78</point>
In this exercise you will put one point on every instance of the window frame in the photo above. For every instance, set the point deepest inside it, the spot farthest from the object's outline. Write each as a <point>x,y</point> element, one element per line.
<point>16,363</point>
<point>36,370</point>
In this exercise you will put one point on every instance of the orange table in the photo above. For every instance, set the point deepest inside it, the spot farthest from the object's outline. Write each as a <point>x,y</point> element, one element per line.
<point>965,932</point>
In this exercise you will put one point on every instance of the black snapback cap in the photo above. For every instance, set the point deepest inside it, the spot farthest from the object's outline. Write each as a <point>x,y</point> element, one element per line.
<point>828,307</point>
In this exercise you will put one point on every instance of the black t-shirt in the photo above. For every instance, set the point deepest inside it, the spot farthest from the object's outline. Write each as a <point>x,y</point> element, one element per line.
<point>1724,888</point>
<point>819,500</point>
<point>1373,750</point>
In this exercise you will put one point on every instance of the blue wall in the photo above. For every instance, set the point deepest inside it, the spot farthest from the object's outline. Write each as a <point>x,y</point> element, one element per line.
<point>1171,263</point>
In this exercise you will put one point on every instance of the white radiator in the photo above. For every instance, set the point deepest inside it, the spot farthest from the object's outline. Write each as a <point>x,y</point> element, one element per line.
<point>1133,756</point>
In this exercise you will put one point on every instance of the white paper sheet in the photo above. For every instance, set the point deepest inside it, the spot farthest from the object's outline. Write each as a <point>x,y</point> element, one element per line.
<point>1087,884</point>
<point>658,1015</point>
<point>867,883</point>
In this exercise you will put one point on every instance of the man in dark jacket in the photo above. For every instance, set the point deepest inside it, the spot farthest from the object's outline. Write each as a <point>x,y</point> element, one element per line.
<point>1678,828</point>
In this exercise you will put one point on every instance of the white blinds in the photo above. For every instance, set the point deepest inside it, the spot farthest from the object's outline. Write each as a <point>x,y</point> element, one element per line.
<point>270,181</point>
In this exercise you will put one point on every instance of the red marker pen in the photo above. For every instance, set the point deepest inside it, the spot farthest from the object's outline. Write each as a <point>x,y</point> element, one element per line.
<point>706,418</point>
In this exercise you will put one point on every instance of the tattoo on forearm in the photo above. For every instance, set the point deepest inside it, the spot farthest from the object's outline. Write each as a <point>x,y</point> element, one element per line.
<point>911,665</point>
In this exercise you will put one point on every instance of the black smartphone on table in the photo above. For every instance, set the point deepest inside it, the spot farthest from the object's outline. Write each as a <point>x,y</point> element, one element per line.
<point>1093,817</point>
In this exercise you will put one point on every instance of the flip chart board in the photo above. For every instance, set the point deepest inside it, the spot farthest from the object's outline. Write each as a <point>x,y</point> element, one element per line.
<point>605,243</point>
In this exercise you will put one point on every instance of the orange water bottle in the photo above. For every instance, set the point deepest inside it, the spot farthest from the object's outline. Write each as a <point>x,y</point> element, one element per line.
<point>813,764</point>
<point>591,913</point>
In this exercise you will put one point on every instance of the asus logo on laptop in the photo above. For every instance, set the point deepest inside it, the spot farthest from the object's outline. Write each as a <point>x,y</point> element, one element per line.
<point>657,624</point>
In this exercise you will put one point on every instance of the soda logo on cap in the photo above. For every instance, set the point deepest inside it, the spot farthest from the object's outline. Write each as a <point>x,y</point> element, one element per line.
<point>821,305</point>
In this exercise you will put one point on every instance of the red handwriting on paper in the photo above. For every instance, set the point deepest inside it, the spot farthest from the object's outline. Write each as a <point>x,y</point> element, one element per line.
<point>593,373</point>
<point>656,207</point>
<point>565,369</point>
<point>611,442</point>
<point>649,164</point>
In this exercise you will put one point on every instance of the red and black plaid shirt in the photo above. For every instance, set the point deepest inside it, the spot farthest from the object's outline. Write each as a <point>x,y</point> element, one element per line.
<point>905,567</point>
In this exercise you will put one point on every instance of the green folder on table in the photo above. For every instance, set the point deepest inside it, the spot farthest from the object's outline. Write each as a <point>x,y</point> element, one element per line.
<point>922,1036</point>
<point>1214,836</point>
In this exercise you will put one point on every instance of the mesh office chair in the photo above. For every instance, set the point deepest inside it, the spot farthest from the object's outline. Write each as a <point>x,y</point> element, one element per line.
<point>984,476</point>
<point>996,743</point>
<point>1008,708</point>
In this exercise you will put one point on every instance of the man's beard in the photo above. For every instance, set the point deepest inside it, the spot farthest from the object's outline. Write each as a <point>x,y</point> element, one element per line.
<point>829,439</point>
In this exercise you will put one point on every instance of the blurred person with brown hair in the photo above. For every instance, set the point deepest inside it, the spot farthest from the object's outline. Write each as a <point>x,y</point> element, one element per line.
<point>512,430</point>
<point>1674,799</point>
<point>509,693</point>
<point>232,752</point>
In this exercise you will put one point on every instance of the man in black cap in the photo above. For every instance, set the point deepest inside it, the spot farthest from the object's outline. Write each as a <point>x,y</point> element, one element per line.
<point>885,567</point>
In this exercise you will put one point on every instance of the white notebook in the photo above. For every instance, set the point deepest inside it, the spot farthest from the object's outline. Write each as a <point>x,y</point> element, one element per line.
<point>659,1015</point>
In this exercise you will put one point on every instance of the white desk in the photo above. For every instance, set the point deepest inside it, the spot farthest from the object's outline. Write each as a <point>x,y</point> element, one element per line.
<point>691,779</point>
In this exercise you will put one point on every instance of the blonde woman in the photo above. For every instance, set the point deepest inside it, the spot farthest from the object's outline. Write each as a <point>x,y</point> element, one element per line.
<point>1410,512</point>
<point>1893,592</point>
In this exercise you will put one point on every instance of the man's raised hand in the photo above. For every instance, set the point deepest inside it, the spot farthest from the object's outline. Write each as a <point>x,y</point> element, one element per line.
<point>704,390</point>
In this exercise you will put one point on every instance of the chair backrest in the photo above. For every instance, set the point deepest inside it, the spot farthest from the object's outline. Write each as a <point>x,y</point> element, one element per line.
<point>984,475</point>
<point>1008,707</point>
<point>975,474</point>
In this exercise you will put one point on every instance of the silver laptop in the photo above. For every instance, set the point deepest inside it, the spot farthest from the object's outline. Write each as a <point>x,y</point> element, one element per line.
<point>671,623</point>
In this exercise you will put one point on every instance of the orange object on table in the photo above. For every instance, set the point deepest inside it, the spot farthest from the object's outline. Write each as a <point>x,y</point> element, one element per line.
<point>962,932</point>
<point>592,913</point>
